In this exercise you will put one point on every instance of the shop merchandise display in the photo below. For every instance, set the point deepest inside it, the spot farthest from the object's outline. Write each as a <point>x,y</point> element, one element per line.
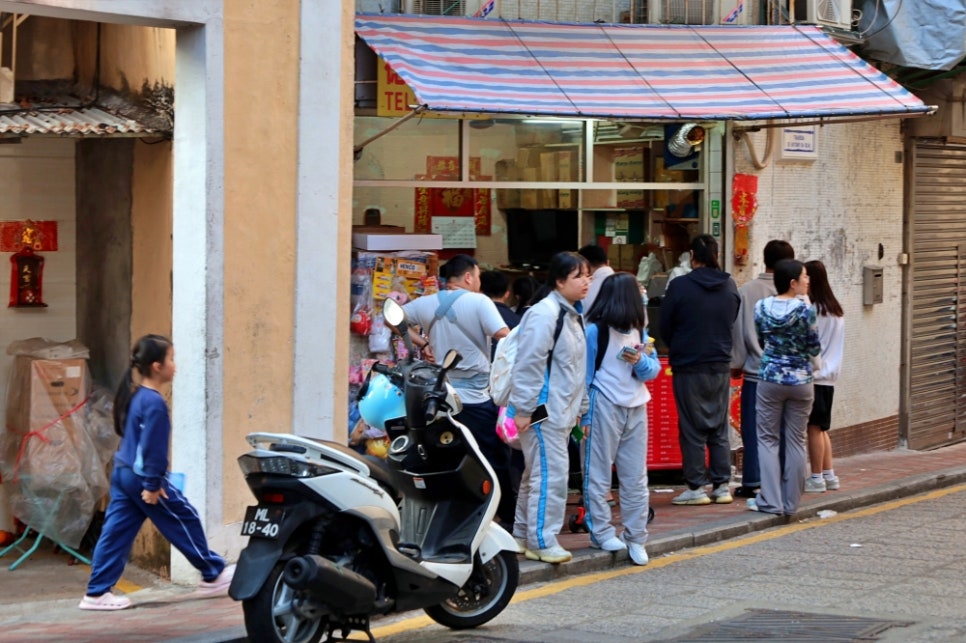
<point>57,441</point>
<point>402,276</point>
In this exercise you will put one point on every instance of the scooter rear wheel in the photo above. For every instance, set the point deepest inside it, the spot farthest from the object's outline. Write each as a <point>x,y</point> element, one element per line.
<point>483,597</point>
<point>273,614</point>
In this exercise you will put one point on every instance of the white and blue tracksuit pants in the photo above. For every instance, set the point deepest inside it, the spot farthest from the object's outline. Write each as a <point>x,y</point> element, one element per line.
<point>174,517</point>
<point>618,436</point>
<point>542,499</point>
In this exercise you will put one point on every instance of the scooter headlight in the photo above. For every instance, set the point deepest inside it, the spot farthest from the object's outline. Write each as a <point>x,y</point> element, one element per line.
<point>280,465</point>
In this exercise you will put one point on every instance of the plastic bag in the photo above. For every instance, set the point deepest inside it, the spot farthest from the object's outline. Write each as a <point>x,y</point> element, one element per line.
<point>506,429</point>
<point>380,337</point>
<point>683,267</point>
<point>648,266</point>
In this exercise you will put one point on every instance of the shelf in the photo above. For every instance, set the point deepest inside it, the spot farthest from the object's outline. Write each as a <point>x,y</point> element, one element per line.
<point>683,220</point>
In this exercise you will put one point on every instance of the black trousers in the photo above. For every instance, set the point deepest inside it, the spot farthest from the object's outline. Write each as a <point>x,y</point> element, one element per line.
<point>702,400</point>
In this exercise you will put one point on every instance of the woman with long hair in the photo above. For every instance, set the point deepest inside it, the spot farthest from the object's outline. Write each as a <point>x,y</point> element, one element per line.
<point>620,358</point>
<point>549,371</point>
<point>831,334</point>
<point>787,331</point>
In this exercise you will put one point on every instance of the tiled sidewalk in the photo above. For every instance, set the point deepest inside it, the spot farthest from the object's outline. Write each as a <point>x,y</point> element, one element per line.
<point>38,601</point>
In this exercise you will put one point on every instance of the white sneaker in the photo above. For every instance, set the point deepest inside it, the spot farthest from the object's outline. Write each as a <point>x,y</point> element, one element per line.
<point>611,544</point>
<point>553,555</point>
<point>692,497</point>
<point>636,552</point>
<point>722,494</point>
<point>521,544</point>
<point>813,485</point>
<point>832,484</point>
<point>105,602</point>
<point>219,585</point>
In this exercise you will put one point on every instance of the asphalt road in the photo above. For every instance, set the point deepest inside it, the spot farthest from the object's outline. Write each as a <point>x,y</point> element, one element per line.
<point>891,572</point>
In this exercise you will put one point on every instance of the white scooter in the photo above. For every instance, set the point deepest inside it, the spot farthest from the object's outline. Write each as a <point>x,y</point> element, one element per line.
<point>337,538</point>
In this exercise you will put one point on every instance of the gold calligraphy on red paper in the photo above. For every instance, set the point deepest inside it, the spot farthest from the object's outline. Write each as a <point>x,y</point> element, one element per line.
<point>452,202</point>
<point>40,236</point>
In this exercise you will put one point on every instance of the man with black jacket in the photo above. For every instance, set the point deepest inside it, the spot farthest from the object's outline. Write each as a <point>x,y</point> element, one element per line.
<point>697,316</point>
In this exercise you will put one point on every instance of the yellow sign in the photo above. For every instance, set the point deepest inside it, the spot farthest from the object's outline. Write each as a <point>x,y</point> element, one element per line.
<point>394,96</point>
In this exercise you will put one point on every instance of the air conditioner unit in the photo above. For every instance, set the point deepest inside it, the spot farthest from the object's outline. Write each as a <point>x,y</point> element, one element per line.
<point>701,12</point>
<point>828,13</point>
<point>436,7</point>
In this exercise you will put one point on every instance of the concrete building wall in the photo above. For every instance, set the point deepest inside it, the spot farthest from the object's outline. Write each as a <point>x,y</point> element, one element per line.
<point>151,240</point>
<point>104,292</point>
<point>839,209</point>
<point>261,155</point>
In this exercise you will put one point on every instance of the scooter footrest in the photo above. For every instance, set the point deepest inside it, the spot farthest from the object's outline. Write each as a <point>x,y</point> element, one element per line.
<point>409,550</point>
<point>451,559</point>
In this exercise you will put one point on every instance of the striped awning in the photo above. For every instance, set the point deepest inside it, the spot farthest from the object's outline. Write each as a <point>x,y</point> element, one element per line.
<point>646,72</point>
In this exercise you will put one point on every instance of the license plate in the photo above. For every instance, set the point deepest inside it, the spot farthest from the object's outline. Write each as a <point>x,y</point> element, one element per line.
<point>263,522</point>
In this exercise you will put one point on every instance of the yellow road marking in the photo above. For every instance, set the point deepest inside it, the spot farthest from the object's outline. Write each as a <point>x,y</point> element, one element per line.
<point>556,587</point>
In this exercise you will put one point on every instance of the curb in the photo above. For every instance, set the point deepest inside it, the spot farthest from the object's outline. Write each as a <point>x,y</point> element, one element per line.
<point>593,560</point>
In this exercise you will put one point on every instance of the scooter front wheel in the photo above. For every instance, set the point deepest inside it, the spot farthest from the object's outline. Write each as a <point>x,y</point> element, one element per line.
<point>277,614</point>
<point>483,597</point>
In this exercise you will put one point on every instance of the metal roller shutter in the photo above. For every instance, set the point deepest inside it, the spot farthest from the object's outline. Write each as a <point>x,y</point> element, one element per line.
<point>937,309</point>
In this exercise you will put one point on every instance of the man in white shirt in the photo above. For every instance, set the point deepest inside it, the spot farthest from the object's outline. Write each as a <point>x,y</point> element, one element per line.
<point>600,269</point>
<point>460,317</point>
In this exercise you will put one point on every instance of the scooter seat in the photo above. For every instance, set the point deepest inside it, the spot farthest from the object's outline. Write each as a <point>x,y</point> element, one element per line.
<point>378,469</point>
<point>380,472</point>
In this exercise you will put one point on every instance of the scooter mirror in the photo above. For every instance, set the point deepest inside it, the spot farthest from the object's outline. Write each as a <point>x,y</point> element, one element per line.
<point>393,313</point>
<point>451,359</point>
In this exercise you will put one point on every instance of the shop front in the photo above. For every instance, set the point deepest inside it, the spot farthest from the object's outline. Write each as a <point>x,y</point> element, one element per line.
<point>544,137</point>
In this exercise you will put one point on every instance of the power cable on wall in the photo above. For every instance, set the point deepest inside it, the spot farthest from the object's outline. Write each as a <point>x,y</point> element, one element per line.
<point>769,145</point>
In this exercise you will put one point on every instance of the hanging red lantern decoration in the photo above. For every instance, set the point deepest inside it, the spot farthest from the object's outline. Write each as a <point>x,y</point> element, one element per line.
<point>744,204</point>
<point>24,239</point>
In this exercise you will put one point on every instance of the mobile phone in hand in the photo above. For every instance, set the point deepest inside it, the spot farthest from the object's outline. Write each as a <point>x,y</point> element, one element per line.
<point>539,415</point>
<point>628,353</point>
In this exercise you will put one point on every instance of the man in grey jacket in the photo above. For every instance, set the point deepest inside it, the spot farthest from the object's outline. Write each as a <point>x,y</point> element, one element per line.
<point>746,358</point>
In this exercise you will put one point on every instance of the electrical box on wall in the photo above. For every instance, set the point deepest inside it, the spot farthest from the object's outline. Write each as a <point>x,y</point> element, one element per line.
<point>871,285</point>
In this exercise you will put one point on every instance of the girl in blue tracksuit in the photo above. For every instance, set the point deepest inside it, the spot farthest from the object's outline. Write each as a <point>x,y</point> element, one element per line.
<point>140,488</point>
<point>616,422</point>
<point>549,372</point>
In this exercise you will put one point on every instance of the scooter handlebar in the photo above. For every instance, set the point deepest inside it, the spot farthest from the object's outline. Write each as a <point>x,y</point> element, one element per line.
<point>432,406</point>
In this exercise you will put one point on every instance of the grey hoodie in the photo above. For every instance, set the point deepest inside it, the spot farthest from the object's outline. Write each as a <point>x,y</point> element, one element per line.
<point>566,396</point>
<point>745,349</point>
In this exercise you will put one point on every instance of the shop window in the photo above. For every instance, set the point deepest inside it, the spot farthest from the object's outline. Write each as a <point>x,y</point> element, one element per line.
<point>534,236</point>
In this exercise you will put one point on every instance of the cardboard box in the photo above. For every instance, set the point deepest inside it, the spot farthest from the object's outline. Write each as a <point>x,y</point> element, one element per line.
<point>528,157</point>
<point>404,241</point>
<point>624,256</point>
<point>530,198</point>
<point>548,166</point>
<point>548,199</point>
<point>43,390</point>
<point>506,170</point>
<point>566,198</point>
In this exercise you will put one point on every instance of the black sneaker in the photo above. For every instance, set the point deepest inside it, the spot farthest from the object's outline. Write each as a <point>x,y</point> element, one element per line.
<point>746,492</point>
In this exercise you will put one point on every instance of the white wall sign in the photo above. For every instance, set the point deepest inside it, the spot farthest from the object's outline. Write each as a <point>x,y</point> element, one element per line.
<point>799,143</point>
